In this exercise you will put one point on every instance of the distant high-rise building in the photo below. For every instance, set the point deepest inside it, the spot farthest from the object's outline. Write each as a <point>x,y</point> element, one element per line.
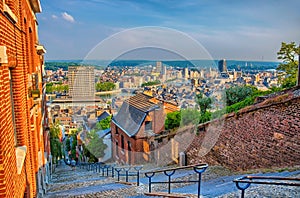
<point>81,82</point>
<point>158,66</point>
<point>186,72</point>
<point>163,70</point>
<point>222,66</point>
<point>179,74</point>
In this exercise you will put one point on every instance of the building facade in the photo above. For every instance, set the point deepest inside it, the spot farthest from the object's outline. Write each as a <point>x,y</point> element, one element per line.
<point>138,119</point>
<point>23,157</point>
<point>222,66</point>
<point>81,82</point>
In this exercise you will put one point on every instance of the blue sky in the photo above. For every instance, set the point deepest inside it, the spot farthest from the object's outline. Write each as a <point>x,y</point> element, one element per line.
<point>233,29</point>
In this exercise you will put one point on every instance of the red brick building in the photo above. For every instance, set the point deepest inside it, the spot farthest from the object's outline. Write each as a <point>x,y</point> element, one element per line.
<point>22,120</point>
<point>139,118</point>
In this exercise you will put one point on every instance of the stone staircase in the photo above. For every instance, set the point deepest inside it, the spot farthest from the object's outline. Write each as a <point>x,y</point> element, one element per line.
<point>66,182</point>
<point>217,182</point>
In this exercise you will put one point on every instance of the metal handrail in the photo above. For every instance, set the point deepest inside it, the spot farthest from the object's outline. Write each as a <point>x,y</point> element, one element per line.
<point>126,169</point>
<point>248,180</point>
<point>99,167</point>
<point>169,172</point>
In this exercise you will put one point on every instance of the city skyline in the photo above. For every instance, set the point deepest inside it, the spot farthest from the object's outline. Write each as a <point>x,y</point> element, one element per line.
<point>77,127</point>
<point>241,30</point>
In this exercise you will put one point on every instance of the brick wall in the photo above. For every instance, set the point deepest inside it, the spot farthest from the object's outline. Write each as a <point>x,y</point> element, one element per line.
<point>20,39</point>
<point>158,120</point>
<point>260,136</point>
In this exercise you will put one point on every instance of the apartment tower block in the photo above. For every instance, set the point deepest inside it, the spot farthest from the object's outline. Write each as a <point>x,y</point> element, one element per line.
<point>81,82</point>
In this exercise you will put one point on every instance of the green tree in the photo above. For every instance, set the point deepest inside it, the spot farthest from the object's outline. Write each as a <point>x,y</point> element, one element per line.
<point>288,53</point>
<point>203,102</point>
<point>173,120</point>
<point>55,143</point>
<point>104,124</point>
<point>105,86</point>
<point>189,116</point>
<point>57,87</point>
<point>205,117</point>
<point>68,146</point>
<point>236,94</point>
<point>73,146</point>
<point>89,155</point>
<point>95,144</point>
<point>66,88</point>
<point>156,82</point>
<point>49,87</point>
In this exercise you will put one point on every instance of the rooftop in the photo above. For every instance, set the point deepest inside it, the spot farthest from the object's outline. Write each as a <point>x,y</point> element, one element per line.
<point>133,112</point>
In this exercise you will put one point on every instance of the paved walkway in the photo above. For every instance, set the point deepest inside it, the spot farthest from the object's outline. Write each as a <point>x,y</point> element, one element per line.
<point>82,183</point>
<point>66,182</point>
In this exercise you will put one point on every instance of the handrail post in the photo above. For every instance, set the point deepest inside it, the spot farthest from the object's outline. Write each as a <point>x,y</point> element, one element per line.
<point>199,184</point>
<point>149,177</point>
<point>107,170</point>
<point>242,188</point>
<point>138,168</point>
<point>243,193</point>
<point>126,175</point>
<point>118,172</point>
<point>126,169</point>
<point>169,185</point>
<point>169,178</point>
<point>200,170</point>
<point>102,169</point>
<point>149,184</point>
<point>138,178</point>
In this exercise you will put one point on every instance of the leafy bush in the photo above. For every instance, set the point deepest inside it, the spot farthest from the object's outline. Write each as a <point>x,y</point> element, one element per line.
<point>95,144</point>
<point>189,116</point>
<point>205,117</point>
<point>156,82</point>
<point>173,120</point>
<point>203,102</point>
<point>236,94</point>
<point>239,105</point>
<point>105,86</point>
<point>103,124</point>
<point>248,100</point>
<point>68,146</point>
<point>57,87</point>
<point>55,143</point>
<point>73,146</point>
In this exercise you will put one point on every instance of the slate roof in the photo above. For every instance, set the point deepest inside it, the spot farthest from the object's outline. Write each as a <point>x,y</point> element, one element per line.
<point>133,112</point>
<point>103,115</point>
<point>103,133</point>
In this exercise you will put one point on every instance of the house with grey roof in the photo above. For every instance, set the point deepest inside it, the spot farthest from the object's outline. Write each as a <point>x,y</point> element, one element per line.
<point>139,118</point>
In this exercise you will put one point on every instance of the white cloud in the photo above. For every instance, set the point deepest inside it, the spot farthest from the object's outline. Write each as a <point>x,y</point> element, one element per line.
<point>54,16</point>
<point>68,17</point>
